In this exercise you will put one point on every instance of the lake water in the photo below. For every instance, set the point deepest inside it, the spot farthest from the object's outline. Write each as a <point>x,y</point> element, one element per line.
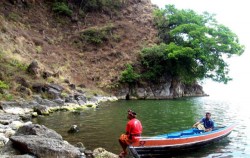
<point>102,127</point>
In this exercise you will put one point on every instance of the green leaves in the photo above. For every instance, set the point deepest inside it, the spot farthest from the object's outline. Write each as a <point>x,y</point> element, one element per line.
<point>62,8</point>
<point>129,75</point>
<point>194,46</point>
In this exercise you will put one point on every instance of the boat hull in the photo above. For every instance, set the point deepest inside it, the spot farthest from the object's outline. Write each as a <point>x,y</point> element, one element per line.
<point>155,147</point>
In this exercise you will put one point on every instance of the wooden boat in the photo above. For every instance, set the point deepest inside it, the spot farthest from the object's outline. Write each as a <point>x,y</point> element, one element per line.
<point>175,142</point>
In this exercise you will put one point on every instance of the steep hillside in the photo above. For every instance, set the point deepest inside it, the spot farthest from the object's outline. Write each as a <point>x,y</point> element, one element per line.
<point>90,48</point>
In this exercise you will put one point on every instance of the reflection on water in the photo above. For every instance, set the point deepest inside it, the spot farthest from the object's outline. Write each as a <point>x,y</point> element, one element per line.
<point>102,127</point>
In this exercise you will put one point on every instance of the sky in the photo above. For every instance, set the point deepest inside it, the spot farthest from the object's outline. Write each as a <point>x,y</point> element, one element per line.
<point>235,15</point>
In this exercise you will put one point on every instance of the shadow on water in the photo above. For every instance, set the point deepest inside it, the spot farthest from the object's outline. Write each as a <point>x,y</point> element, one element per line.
<point>102,127</point>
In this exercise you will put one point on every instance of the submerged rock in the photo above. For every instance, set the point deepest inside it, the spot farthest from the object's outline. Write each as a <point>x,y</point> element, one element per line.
<point>73,129</point>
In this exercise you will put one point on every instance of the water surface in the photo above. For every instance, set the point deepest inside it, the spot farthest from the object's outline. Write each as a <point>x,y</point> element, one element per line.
<point>102,127</point>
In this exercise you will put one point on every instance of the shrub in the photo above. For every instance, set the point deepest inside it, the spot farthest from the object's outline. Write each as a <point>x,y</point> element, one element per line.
<point>62,8</point>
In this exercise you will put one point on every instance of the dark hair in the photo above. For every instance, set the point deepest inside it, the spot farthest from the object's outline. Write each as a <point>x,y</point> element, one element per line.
<point>132,113</point>
<point>208,113</point>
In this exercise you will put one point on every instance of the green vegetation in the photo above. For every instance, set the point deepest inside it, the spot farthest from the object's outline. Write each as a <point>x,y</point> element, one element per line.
<point>62,8</point>
<point>18,64</point>
<point>193,47</point>
<point>129,75</point>
<point>14,17</point>
<point>3,85</point>
<point>98,35</point>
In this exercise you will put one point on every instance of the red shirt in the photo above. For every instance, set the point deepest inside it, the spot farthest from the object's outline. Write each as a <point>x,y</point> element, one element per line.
<point>134,126</point>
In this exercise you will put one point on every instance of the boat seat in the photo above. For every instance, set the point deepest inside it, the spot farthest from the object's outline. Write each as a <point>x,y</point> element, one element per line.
<point>174,135</point>
<point>187,132</point>
<point>198,131</point>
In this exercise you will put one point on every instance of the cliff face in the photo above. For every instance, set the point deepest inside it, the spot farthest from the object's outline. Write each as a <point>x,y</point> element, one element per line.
<point>167,88</point>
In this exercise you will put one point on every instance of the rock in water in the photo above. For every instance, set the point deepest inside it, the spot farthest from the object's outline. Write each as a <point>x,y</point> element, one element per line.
<point>44,147</point>
<point>73,129</point>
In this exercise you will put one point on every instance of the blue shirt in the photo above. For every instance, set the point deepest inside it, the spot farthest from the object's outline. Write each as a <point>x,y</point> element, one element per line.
<point>207,123</point>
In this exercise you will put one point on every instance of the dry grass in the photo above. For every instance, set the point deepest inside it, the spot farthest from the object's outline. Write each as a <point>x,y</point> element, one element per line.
<point>35,34</point>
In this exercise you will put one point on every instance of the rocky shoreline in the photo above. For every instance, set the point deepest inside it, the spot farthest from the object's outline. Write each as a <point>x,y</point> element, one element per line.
<point>20,138</point>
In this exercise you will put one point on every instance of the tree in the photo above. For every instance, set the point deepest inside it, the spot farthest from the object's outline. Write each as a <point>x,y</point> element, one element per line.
<point>194,46</point>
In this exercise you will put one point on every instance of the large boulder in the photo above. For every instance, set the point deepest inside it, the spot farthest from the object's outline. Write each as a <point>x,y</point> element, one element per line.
<point>44,147</point>
<point>38,130</point>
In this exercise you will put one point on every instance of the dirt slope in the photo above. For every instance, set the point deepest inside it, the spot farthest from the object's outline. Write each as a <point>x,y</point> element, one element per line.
<point>36,33</point>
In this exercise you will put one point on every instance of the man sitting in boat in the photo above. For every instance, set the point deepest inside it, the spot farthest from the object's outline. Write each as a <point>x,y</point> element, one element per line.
<point>133,131</point>
<point>206,123</point>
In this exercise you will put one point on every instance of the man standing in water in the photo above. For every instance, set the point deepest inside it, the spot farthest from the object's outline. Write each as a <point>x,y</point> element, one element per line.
<point>133,131</point>
<point>208,123</point>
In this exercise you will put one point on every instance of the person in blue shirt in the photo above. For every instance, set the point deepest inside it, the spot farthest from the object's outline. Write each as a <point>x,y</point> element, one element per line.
<point>207,122</point>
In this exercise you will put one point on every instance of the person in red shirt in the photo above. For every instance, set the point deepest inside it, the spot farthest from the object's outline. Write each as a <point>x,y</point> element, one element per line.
<point>133,132</point>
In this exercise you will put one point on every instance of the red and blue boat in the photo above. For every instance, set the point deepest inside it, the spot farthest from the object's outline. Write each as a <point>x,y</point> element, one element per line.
<point>160,145</point>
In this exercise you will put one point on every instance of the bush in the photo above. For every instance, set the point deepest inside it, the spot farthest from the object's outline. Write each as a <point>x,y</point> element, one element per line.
<point>3,85</point>
<point>97,35</point>
<point>62,8</point>
<point>129,75</point>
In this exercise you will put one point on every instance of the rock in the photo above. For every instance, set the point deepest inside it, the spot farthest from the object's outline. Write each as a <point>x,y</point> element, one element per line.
<point>16,124</point>
<point>9,151</point>
<point>37,98</point>
<point>81,147</point>
<point>66,81</point>
<point>59,101</point>
<point>9,133</point>
<point>34,114</point>
<point>100,152</point>
<point>44,147</point>
<point>48,103</point>
<point>70,99</point>
<point>82,86</point>
<point>73,129</point>
<point>33,68</point>
<point>22,156</point>
<point>39,130</point>
<point>46,74</point>
<point>42,110</point>
<point>88,153</point>
<point>6,118</point>
<point>72,86</point>
<point>81,100</point>
<point>23,82</point>
<point>56,87</point>
<point>3,139</point>
<point>39,87</point>
<point>53,93</point>
<point>26,117</point>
